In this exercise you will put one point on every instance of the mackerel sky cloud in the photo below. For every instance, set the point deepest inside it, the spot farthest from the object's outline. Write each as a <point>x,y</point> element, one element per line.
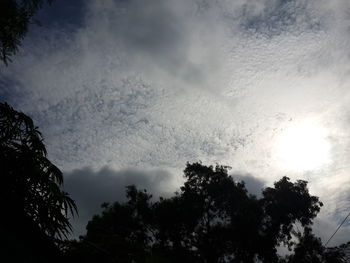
<point>149,85</point>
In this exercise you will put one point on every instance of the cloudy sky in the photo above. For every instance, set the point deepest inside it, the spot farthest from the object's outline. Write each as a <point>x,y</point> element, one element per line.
<point>128,91</point>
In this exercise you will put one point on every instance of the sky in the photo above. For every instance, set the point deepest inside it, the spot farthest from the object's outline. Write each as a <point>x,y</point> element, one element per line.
<point>128,91</point>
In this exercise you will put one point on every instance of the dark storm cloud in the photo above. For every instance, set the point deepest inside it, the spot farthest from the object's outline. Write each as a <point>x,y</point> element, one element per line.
<point>150,27</point>
<point>91,188</point>
<point>65,14</point>
<point>165,35</point>
<point>253,184</point>
<point>274,17</point>
<point>342,207</point>
<point>10,91</point>
<point>154,35</point>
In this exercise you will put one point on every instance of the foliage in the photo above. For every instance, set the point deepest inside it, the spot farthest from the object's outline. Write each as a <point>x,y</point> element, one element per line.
<point>30,182</point>
<point>15,17</point>
<point>284,205</point>
<point>310,250</point>
<point>211,219</point>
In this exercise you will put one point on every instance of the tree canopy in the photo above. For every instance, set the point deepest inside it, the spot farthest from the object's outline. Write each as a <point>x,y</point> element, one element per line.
<point>211,219</point>
<point>30,182</point>
<point>36,208</point>
<point>309,249</point>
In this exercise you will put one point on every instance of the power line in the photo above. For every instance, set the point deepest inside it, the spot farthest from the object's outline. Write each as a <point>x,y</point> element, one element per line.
<point>337,229</point>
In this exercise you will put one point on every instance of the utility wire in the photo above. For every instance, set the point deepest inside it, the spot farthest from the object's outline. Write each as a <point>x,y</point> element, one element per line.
<point>337,229</point>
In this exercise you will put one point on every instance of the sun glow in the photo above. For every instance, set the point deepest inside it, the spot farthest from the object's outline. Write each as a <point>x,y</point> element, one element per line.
<point>303,147</point>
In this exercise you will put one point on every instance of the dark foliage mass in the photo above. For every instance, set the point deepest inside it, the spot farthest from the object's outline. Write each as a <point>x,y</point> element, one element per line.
<point>15,18</point>
<point>35,209</point>
<point>212,219</point>
<point>310,250</point>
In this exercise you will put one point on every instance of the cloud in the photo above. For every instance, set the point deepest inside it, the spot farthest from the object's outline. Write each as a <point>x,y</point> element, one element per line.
<point>153,84</point>
<point>253,184</point>
<point>276,17</point>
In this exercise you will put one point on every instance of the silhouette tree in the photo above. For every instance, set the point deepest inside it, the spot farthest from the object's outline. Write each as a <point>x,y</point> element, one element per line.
<point>130,224</point>
<point>15,17</point>
<point>35,208</point>
<point>309,249</point>
<point>211,219</point>
<point>284,205</point>
<point>122,233</point>
<point>30,182</point>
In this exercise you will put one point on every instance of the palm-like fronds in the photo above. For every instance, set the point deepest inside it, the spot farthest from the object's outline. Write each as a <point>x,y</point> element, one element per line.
<point>32,183</point>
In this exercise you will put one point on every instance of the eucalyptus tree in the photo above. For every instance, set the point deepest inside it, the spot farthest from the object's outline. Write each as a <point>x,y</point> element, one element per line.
<point>212,218</point>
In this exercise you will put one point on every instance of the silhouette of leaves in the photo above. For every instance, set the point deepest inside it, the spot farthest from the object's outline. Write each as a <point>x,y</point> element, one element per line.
<point>31,183</point>
<point>211,219</point>
<point>15,18</point>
